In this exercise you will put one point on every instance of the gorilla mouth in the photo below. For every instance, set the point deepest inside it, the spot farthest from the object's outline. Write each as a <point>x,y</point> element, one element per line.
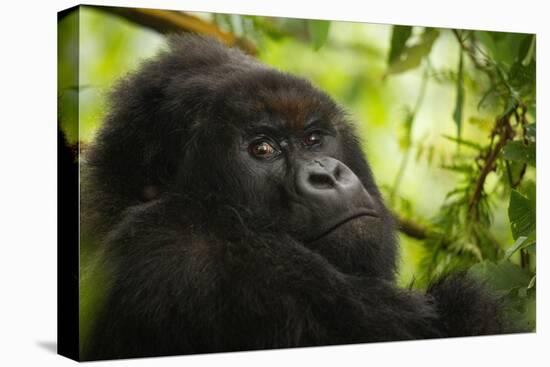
<point>338,224</point>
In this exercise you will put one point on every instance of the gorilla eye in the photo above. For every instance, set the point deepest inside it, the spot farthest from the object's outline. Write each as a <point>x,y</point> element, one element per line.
<point>262,149</point>
<point>313,138</point>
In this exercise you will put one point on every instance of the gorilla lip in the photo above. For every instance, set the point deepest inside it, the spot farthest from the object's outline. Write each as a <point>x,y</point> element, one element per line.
<point>338,224</point>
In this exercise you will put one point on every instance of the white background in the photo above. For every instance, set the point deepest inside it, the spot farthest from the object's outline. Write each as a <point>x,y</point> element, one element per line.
<point>28,182</point>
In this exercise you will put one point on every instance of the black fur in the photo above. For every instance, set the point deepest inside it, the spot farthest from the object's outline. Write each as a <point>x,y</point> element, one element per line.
<point>210,249</point>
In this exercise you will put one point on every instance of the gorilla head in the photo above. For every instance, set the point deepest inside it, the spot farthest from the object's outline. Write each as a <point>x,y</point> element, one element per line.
<point>250,149</point>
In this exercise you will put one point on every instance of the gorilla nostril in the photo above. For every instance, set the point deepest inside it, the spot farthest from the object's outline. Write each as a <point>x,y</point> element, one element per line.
<point>337,172</point>
<point>321,181</point>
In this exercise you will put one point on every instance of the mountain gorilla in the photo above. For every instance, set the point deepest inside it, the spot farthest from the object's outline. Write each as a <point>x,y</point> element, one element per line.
<point>236,211</point>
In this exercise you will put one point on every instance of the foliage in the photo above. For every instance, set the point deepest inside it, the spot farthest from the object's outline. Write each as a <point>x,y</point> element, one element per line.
<point>503,65</point>
<point>451,131</point>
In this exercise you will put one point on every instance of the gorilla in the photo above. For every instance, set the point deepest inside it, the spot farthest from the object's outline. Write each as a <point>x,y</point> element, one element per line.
<point>235,210</point>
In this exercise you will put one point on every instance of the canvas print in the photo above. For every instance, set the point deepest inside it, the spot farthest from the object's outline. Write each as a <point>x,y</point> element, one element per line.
<point>236,182</point>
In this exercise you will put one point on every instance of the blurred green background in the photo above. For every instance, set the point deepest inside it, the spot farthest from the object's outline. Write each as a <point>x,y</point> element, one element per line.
<point>436,108</point>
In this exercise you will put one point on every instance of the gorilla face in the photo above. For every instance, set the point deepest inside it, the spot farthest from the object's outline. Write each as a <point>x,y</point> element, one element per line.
<point>271,156</point>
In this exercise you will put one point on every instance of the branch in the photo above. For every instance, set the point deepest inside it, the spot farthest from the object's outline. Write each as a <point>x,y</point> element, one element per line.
<point>505,133</point>
<point>502,127</point>
<point>411,228</point>
<point>170,21</point>
<point>471,53</point>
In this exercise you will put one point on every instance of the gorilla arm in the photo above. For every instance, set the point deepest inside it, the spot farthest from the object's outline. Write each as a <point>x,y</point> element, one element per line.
<point>178,290</point>
<point>467,308</point>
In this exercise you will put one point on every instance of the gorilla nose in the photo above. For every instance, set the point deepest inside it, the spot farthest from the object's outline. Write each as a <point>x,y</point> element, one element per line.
<point>325,174</point>
<point>332,185</point>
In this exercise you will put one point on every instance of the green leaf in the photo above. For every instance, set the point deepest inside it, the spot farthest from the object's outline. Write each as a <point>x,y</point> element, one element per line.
<point>530,313</point>
<point>518,151</point>
<point>531,131</point>
<point>412,56</point>
<point>489,98</point>
<point>464,142</point>
<point>532,282</point>
<point>503,276</point>
<point>483,123</point>
<point>506,48</point>
<point>399,37</point>
<point>515,247</point>
<point>419,151</point>
<point>523,79</point>
<point>522,215</point>
<point>431,153</point>
<point>459,103</point>
<point>530,54</point>
<point>487,40</point>
<point>512,283</point>
<point>528,188</point>
<point>405,138</point>
<point>516,46</point>
<point>521,243</point>
<point>318,30</point>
